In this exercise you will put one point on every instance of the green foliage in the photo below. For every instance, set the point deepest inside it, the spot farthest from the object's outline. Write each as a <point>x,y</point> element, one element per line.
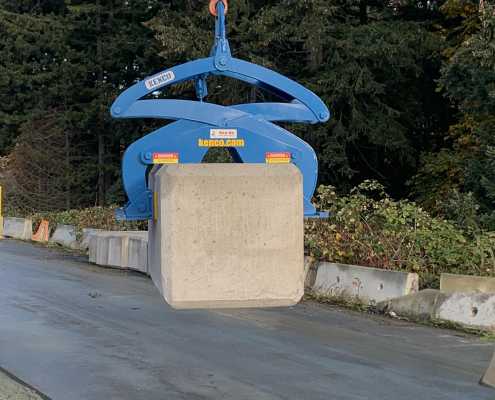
<point>368,228</point>
<point>465,161</point>
<point>95,217</point>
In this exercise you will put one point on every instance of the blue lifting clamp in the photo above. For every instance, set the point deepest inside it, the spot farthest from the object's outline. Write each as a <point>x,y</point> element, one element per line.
<point>246,130</point>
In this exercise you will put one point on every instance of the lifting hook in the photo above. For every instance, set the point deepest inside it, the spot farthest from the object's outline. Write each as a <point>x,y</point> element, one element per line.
<point>213,6</point>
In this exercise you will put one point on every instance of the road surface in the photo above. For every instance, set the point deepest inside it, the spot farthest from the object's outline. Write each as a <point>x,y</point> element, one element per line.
<point>76,331</point>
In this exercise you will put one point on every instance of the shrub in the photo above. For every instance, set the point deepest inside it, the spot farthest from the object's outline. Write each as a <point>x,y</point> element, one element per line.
<point>368,228</point>
<point>95,217</point>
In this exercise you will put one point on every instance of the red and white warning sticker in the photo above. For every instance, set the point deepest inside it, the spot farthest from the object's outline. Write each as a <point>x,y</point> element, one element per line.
<point>223,133</point>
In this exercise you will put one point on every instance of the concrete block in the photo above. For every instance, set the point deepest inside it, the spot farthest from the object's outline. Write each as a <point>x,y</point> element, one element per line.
<point>227,235</point>
<point>471,310</point>
<point>419,305</point>
<point>474,310</point>
<point>65,235</point>
<point>310,271</point>
<point>138,254</point>
<point>92,248</point>
<point>118,249</point>
<point>489,378</point>
<point>86,236</point>
<point>369,285</point>
<point>18,228</point>
<point>102,249</point>
<point>450,283</point>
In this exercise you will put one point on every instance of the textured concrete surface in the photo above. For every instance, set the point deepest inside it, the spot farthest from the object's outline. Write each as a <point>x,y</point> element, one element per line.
<point>18,228</point>
<point>13,389</point>
<point>472,310</point>
<point>369,285</point>
<point>228,235</point>
<point>76,331</point>
<point>114,249</point>
<point>138,254</point>
<point>450,283</point>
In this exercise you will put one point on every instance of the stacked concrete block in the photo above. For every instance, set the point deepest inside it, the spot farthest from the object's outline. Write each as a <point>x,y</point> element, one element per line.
<point>227,235</point>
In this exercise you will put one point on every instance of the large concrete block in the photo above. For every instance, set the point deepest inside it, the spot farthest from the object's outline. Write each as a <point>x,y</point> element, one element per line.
<point>450,283</point>
<point>227,235</point>
<point>18,228</point>
<point>369,285</point>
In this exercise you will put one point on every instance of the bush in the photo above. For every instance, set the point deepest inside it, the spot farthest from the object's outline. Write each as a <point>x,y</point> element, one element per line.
<point>95,217</point>
<point>368,228</point>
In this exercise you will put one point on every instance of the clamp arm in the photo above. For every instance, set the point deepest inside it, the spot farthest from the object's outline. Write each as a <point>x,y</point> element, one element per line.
<point>243,70</point>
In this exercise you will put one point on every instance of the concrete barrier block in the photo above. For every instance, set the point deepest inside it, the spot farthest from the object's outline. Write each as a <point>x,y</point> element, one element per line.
<point>474,310</point>
<point>369,285</point>
<point>227,235</point>
<point>471,310</point>
<point>102,247</point>
<point>138,254</point>
<point>117,251</point>
<point>111,248</point>
<point>18,228</point>
<point>310,270</point>
<point>419,305</point>
<point>489,378</point>
<point>86,236</point>
<point>65,235</point>
<point>92,248</point>
<point>450,283</point>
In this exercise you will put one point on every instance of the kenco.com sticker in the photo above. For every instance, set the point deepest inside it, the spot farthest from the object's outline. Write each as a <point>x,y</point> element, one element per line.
<point>223,133</point>
<point>221,142</point>
<point>165,158</point>
<point>159,80</point>
<point>278,158</point>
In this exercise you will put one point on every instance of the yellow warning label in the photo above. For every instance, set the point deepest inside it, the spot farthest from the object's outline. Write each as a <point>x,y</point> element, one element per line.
<point>165,158</point>
<point>221,142</point>
<point>278,158</point>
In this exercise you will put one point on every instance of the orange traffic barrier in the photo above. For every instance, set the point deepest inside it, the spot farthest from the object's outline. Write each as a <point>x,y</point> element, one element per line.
<point>43,232</point>
<point>213,6</point>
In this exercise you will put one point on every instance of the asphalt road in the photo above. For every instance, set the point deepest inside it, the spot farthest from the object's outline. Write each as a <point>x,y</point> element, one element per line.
<point>75,331</point>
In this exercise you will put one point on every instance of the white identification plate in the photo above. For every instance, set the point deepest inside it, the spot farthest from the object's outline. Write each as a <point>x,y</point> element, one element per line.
<point>223,133</point>
<point>159,80</point>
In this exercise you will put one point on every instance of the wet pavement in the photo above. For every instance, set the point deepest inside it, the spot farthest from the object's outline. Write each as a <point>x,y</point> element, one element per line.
<point>76,331</point>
